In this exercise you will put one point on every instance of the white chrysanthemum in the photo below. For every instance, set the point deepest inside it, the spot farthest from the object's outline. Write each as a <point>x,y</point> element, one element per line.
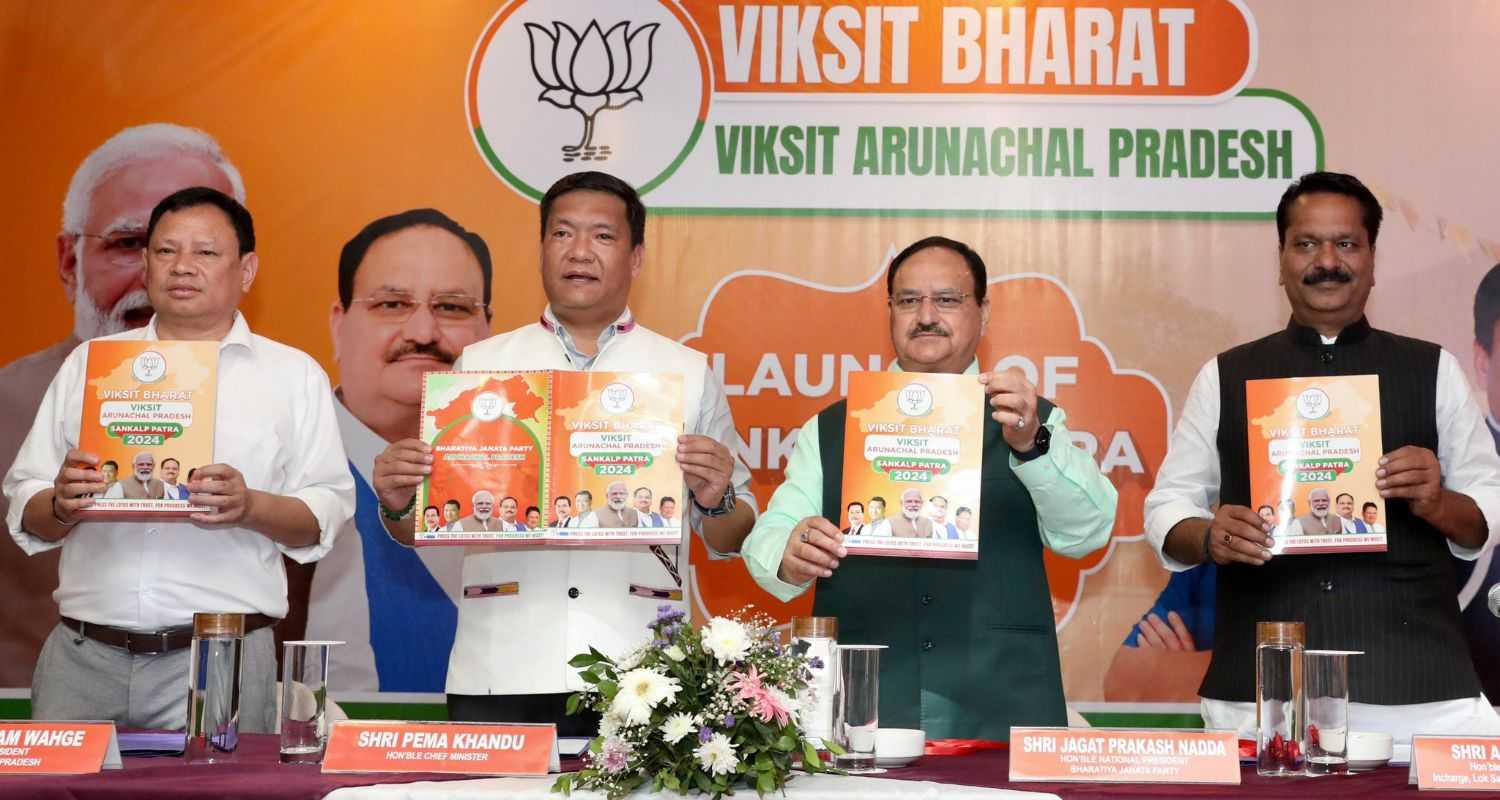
<point>609,724</point>
<point>675,653</point>
<point>676,727</point>
<point>717,755</point>
<point>726,639</point>
<point>640,691</point>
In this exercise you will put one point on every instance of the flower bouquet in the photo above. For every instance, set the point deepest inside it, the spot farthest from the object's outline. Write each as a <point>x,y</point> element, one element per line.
<point>695,710</point>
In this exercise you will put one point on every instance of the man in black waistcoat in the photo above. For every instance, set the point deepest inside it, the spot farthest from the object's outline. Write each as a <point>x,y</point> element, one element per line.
<point>972,645</point>
<point>1439,477</point>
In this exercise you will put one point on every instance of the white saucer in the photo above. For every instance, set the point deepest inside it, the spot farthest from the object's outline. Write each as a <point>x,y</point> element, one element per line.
<point>1366,766</point>
<point>894,761</point>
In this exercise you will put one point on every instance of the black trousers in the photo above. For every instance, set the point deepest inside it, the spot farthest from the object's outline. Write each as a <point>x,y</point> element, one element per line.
<point>523,708</point>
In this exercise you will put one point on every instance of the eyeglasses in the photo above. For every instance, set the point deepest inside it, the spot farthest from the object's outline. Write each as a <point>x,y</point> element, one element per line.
<point>397,307</point>
<point>124,248</point>
<point>945,301</point>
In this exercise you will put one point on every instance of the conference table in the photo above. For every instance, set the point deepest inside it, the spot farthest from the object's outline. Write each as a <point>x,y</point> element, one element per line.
<point>255,774</point>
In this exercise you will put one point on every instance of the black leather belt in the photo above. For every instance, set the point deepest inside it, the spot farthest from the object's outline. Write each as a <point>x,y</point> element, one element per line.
<point>151,642</point>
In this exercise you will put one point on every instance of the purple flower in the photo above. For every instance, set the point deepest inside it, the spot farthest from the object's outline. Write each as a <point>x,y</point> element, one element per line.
<point>704,734</point>
<point>729,720</point>
<point>815,663</point>
<point>660,643</point>
<point>666,614</point>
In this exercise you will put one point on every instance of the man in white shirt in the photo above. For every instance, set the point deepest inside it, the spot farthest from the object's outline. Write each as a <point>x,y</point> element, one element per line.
<point>413,292</point>
<point>508,522</point>
<point>452,511</point>
<point>128,589</point>
<point>941,527</point>
<point>583,511</point>
<point>171,489</point>
<point>1343,505</point>
<point>504,667</point>
<point>668,508</point>
<point>648,518</point>
<point>1440,480</point>
<point>100,253</point>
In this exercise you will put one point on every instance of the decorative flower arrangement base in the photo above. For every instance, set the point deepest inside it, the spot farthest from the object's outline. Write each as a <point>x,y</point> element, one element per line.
<point>703,710</point>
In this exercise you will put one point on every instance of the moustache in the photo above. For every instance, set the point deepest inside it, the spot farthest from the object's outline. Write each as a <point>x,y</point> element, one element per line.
<point>925,328</point>
<point>423,348</point>
<point>1326,275</point>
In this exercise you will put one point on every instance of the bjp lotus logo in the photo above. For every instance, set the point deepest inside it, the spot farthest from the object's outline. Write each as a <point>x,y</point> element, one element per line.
<point>539,67</point>
<point>595,72</point>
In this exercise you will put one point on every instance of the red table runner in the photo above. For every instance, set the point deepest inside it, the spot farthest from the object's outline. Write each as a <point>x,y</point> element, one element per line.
<point>991,768</point>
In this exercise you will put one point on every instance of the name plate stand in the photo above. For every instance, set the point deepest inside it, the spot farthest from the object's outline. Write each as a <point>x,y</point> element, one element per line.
<point>1456,763</point>
<point>1110,755</point>
<point>457,747</point>
<point>39,747</point>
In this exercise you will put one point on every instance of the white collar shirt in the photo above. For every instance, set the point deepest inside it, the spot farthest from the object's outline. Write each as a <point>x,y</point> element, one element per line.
<point>274,421</point>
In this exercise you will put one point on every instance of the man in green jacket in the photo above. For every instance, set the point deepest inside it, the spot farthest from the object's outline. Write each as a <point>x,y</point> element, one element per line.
<point>972,644</point>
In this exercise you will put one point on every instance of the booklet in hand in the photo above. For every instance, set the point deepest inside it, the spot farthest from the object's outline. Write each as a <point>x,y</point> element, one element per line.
<point>913,448</point>
<point>504,442</point>
<point>1315,445</point>
<point>148,414</point>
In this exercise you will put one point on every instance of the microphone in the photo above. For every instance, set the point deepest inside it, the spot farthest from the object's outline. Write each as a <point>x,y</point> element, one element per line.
<point>1493,600</point>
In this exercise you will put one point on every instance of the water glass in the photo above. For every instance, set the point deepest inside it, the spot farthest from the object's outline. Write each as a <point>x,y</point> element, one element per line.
<point>304,701</point>
<point>1326,741</point>
<point>213,710</point>
<point>857,705</point>
<point>1278,698</point>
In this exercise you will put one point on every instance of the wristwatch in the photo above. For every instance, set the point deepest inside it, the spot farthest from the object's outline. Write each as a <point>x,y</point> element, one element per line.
<point>726,504</point>
<point>1039,445</point>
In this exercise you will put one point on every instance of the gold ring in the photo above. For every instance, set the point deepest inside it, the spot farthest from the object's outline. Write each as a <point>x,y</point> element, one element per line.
<point>1228,538</point>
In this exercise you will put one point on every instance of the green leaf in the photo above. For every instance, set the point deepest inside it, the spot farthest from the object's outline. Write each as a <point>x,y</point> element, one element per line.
<point>574,700</point>
<point>810,760</point>
<point>765,783</point>
<point>833,747</point>
<point>670,781</point>
<point>588,677</point>
<point>585,659</point>
<point>608,689</point>
<point>785,743</point>
<point>704,784</point>
<point>564,785</point>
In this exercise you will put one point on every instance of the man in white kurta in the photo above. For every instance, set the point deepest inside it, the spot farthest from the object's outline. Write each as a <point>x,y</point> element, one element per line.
<point>527,610</point>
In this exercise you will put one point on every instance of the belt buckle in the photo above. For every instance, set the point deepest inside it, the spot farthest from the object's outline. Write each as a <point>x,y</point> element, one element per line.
<point>146,646</point>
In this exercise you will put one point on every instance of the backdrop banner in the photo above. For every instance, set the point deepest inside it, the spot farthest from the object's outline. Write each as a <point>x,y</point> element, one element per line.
<point>1117,165</point>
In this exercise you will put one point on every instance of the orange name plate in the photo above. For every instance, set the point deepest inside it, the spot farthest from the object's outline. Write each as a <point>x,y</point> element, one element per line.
<point>1104,755</point>
<point>470,748</point>
<point>1456,763</point>
<point>57,748</point>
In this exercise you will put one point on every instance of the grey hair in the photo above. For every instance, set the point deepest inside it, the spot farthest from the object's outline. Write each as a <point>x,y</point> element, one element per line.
<point>138,144</point>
